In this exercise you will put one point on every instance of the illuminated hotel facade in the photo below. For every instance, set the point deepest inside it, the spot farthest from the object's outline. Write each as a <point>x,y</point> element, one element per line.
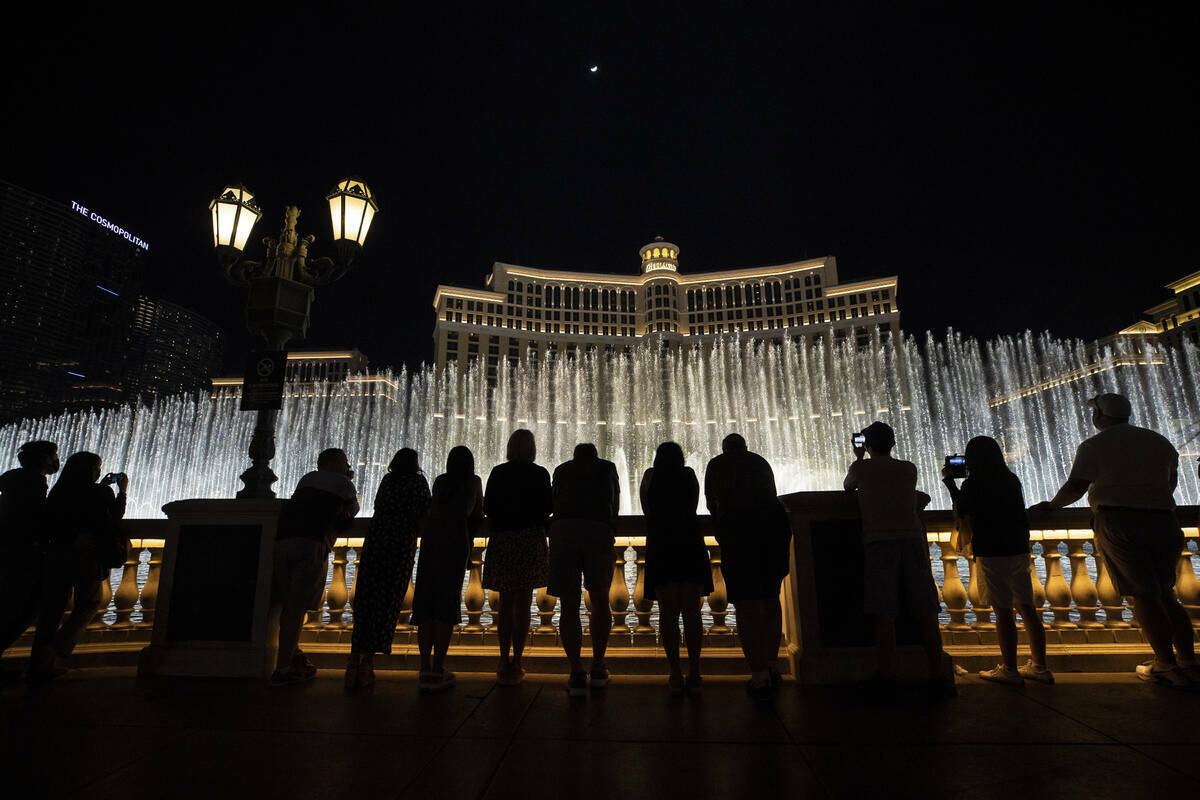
<point>531,314</point>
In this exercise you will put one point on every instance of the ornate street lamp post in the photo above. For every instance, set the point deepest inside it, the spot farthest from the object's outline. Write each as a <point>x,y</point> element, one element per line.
<point>280,287</point>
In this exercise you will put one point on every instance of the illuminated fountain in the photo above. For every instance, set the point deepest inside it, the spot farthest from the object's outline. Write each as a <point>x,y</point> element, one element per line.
<point>795,405</point>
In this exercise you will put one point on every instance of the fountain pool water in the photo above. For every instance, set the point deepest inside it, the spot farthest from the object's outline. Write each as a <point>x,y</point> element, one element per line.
<point>796,405</point>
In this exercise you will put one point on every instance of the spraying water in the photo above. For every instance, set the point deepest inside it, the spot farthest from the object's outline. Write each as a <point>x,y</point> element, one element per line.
<point>797,406</point>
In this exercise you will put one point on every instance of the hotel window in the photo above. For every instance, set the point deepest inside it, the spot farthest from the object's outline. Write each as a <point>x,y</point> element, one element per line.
<point>886,294</point>
<point>887,308</point>
<point>875,308</point>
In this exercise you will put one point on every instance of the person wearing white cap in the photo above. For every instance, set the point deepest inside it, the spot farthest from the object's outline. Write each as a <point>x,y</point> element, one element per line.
<point>1129,474</point>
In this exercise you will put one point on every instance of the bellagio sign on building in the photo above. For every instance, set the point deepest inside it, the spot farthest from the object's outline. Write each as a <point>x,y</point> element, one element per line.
<point>112,226</point>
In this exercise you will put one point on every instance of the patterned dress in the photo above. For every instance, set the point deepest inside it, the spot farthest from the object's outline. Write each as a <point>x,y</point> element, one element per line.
<point>386,565</point>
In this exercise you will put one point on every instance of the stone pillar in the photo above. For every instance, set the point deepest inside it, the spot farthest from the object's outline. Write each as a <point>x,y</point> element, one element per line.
<point>954,594</point>
<point>1057,590</point>
<point>127,591</point>
<point>1110,600</point>
<point>473,597</point>
<point>337,594</point>
<point>977,594</point>
<point>1083,590</point>
<point>642,608</point>
<point>222,550</point>
<point>1187,587</point>
<point>618,599</point>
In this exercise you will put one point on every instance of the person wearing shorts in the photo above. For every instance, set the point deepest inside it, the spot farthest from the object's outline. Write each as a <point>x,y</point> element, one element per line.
<point>1129,474</point>
<point>896,570</point>
<point>586,502</point>
<point>992,503</point>
<point>324,504</point>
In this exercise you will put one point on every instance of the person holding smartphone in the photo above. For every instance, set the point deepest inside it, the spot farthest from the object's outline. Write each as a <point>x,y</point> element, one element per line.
<point>897,577</point>
<point>992,501</point>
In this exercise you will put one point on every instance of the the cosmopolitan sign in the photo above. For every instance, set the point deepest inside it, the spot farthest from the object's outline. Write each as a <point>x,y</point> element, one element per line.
<point>112,226</point>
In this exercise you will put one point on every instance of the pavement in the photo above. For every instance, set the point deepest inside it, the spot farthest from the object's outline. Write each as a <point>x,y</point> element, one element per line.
<point>99,733</point>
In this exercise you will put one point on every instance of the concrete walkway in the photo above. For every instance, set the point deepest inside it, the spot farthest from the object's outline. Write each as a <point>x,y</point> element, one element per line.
<point>103,733</point>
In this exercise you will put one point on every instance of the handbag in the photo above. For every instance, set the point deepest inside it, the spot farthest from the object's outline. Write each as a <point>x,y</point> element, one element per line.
<point>114,546</point>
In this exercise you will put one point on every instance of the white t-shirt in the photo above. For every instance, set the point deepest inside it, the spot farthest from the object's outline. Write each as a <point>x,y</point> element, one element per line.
<point>887,498</point>
<point>1127,466</point>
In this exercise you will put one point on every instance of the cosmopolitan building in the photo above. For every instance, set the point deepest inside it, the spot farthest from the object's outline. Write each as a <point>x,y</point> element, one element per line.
<point>75,330</point>
<point>526,313</point>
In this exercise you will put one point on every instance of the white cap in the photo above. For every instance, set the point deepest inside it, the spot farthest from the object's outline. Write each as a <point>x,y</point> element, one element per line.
<point>1112,405</point>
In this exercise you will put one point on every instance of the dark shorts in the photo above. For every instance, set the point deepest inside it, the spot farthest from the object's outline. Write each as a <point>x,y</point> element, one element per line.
<point>898,580</point>
<point>580,547</point>
<point>1141,548</point>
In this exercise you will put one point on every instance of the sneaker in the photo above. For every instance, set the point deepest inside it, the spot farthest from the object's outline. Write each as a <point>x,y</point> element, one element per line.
<point>1002,674</point>
<point>1036,672</point>
<point>432,682</point>
<point>303,666</point>
<point>577,684</point>
<point>1192,673</point>
<point>675,682</point>
<point>1169,676</point>
<point>694,684</point>
<point>599,677</point>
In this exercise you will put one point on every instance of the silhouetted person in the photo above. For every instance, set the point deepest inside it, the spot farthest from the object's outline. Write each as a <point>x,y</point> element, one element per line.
<point>678,572</point>
<point>753,531</point>
<point>385,564</point>
<point>896,573</point>
<point>454,517</point>
<point>587,497</point>
<point>518,504</point>
<point>22,539</point>
<point>992,503</point>
<point>1129,475</point>
<point>86,542</point>
<point>323,505</point>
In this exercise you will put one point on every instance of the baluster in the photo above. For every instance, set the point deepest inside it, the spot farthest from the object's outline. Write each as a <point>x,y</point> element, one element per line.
<point>337,595</point>
<point>150,589</point>
<point>587,607</point>
<point>954,594</point>
<point>977,594</point>
<point>1083,590</point>
<point>718,601</point>
<point>1187,587</point>
<point>618,596</point>
<point>106,596</point>
<point>1110,600</point>
<point>1039,591</point>
<point>642,607</point>
<point>1057,590</point>
<point>127,591</point>
<point>546,603</point>
<point>473,597</point>
<point>493,598</point>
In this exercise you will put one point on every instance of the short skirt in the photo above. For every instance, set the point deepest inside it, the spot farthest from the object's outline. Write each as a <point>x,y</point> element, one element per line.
<point>516,560</point>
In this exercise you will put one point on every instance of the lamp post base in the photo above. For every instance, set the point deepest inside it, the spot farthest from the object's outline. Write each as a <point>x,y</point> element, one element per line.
<point>258,481</point>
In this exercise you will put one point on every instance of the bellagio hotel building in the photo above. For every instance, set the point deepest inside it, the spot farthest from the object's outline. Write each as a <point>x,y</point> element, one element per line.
<point>535,314</point>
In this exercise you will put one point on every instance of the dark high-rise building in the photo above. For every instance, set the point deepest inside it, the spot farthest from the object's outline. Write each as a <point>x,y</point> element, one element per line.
<point>70,288</point>
<point>169,349</point>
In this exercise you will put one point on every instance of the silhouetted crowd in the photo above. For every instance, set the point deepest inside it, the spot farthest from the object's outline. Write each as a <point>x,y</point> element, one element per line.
<point>558,531</point>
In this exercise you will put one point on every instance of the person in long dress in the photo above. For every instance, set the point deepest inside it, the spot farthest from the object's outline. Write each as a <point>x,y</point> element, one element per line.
<point>454,516</point>
<point>678,571</point>
<point>386,565</point>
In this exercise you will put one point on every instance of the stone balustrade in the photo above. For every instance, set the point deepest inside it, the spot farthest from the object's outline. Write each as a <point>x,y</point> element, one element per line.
<point>1072,587</point>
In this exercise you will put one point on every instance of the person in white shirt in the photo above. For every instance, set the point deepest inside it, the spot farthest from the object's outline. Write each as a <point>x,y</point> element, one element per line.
<point>1129,474</point>
<point>897,578</point>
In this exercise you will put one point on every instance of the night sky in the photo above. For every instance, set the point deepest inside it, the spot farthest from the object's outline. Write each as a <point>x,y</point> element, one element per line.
<point>1017,166</point>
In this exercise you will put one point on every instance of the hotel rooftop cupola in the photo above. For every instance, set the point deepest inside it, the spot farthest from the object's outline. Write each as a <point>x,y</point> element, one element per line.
<point>660,256</point>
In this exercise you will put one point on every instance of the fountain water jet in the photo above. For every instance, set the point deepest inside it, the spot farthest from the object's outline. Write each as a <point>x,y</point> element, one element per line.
<point>796,405</point>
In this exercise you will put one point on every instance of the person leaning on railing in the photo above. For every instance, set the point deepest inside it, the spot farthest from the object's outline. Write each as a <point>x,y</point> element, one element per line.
<point>1129,474</point>
<point>385,564</point>
<point>992,504</point>
<point>518,502</point>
